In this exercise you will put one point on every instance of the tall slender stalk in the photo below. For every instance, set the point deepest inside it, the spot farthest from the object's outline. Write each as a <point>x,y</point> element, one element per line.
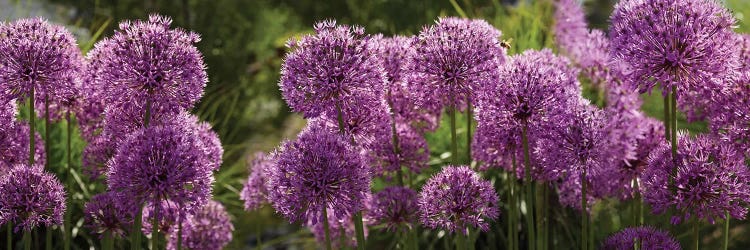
<point>179,233</point>
<point>48,239</point>
<point>514,202</point>
<point>358,225</point>
<point>32,128</point>
<point>528,186</point>
<point>47,140</point>
<point>109,241</point>
<point>397,151</point>
<point>726,230</point>
<point>454,139</point>
<point>155,225</point>
<point>469,117</point>
<point>461,241</point>
<point>326,228</point>
<point>673,103</point>
<point>135,237</point>
<point>584,213</point>
<point>9,237</point>
<point>696,234</point>
<point>66,222</point>
<point>511,212</point>
<point>27,240</point>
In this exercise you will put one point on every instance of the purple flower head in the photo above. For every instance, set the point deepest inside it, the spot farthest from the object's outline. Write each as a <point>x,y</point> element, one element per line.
<point>710,178</point>
<point>146,61</point>
<point>209,228</point>
<point>686,44</point>
<point>255,192</point>
<point>367,121</point>
<point>457,198</point>
<point>396,53</point>
<point>648,237</point>
<point>39,55</point>
<point>454,58</point>
<point>412,153</point>
<point>330,69</point>
<point>97,154</point>
<point>160,163</point>
<point>103,217</point>
<point>396,207</point>
<point>570,192</point>
<point>337,226</point>
<point>580,145</point>
<point>319,169</point>
<point>14,146</point>
<point>169,214</point>
<point>31,197</point>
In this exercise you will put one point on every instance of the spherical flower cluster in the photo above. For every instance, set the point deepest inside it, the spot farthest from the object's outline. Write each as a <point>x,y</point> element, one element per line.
<point>31,197</point>
<point>647,237</point>
<point>14,146</point>
<point>330,69</point>
<point>147,62</point>
<point>709,179</point>
<point>255,191</point>
<point>407,148</point>
<point>103,217</point>
<point>536,90</point>
<point>158,163</point>
<point>318,170</point>
<point>395,207</point>
<point>454,58</point>
<point>36,55</point>
<point>97,154</point>
<point>686,44</point>
<point>588,49</point>
<point>457,198</point>
<point>208,228</point>
<point>396,52</point>
<point>366,122</point>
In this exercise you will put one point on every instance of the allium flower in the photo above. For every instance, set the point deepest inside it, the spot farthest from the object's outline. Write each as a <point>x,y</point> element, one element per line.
<point>570,25</point>
<point>366,122</point>
<point>457,198</point>
<point>648,237</point>
<point>169,214</point>
<point>39,55</point>
<point>580,146</point>
<point>97,154</point>
<point>570,192</point>
<point>103,217</point>
<point>536,89</point>
<point>255,191</point>
<point>31,197</point>
<point>14,146</point>
<point>413,152</point>
<point>396,53</point>
<point>209,228</point>
<point>147,62</point>
<point>160,163</point>
<point>454,58</point>
<point>336,227</point>
<point>396,207</point>
<point>709,179</point>
<point>686,44</point>
<point>318,170</point>
<point>330,69</point>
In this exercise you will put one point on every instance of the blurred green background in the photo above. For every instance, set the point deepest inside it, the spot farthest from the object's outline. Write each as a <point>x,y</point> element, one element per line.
<point>243,45</point>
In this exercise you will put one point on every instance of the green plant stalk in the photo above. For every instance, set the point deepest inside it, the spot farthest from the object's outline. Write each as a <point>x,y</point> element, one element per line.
<point>47,140</point>
<point>68,148</point>
<point>511,212</point>
<point>584,213</point>
<point>10,236</point>
<point>673,103</point>
<point>696,234</point>
<point>638,204</point>
<point>32,127</point>
<point>397,151</point>
<point>461,241</point>
<point>667,118</point>
<point>528,186</point>
<point>48,239</point>
<point>514,203</point>
<point>179,234</point>
<point>135,237</point>
<point>326,228</point>
<point>27,240</point>
<point>726,230</point>
<point>342,237</point>
<point>109,241</point>
<point>469,117</point>
<point>358,225</point>
<point>414,238</point>
<point>454,139</point>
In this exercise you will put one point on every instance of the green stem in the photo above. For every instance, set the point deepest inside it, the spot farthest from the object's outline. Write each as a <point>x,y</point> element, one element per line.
<point>726,230</point>
<point>469,117</point>
<point>342,237</point>
<point>638,204</point>
<point>511,211</point>
<point>454,139</point>
<point>48,239</point>
<point>135,234</point>
<point>32,128</point>
<point>109,241</point>
<point>326,228</point>
<point>696,234</point>
<point>68,149</point>
<point>414,238</point>
<point>179,234</point>
<point>673,103</point>
<point>461,241</point>
<point>584,212</point>
<point>10,236</point>
<point>528,186</point>
<point>514,202</point>
<point>46,131</point>
<point>667,118</point>
<point>397,151</point>
<point>360,230</point>
<point>27,240</point>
